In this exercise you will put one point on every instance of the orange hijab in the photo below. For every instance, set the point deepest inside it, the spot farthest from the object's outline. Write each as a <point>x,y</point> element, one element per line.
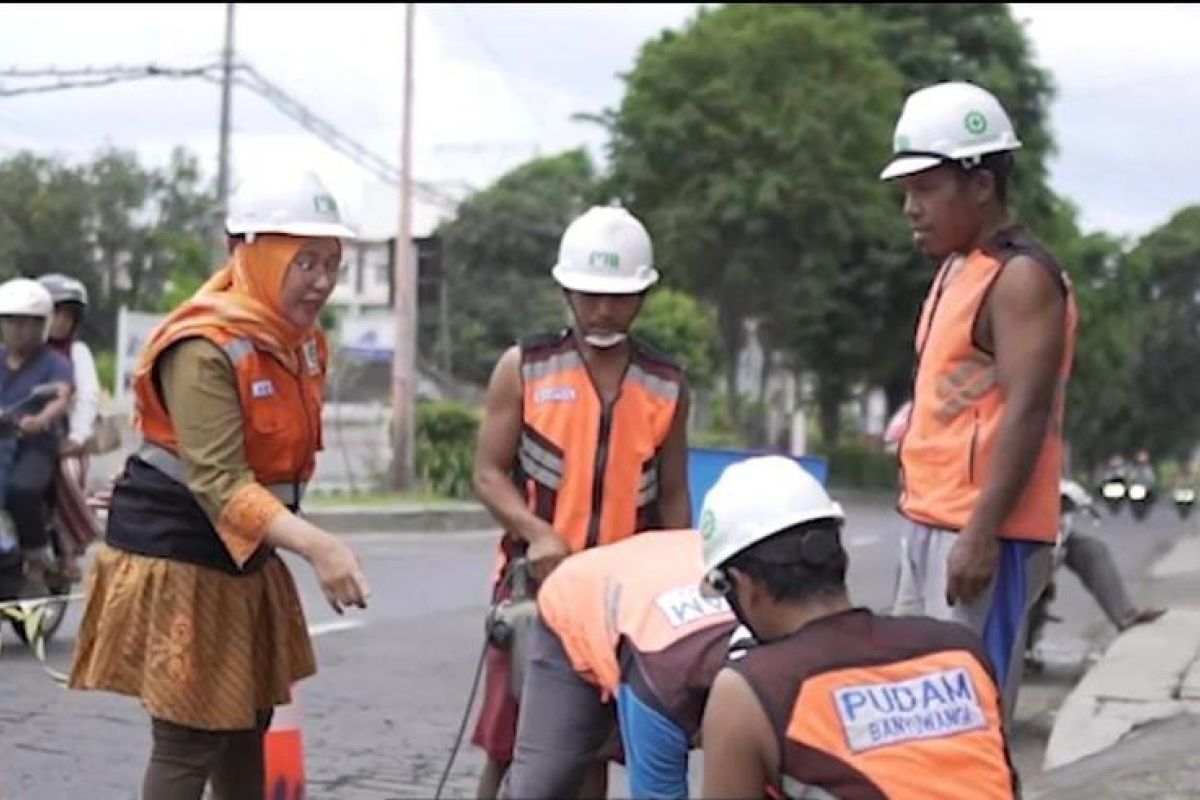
<point>243,299</point>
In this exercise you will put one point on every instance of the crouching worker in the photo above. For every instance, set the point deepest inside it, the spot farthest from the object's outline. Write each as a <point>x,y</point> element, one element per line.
<point>834,702</point>
<point>624,623</point>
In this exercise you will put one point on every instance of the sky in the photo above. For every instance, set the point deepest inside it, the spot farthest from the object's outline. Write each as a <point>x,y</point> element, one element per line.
<point>499,83</point>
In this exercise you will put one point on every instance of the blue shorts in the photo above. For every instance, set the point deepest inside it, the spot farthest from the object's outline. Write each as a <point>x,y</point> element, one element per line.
<point>656,748</point>
<point>1000,615</point>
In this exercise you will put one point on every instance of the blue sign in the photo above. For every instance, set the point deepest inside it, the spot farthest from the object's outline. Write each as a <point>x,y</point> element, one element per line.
<point>706,464</point>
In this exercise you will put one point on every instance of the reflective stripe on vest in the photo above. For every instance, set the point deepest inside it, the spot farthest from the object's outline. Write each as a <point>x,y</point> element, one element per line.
<point>281,408</point>
<point>946,453</point>
<point>169,464</point>
<point>589,470</point>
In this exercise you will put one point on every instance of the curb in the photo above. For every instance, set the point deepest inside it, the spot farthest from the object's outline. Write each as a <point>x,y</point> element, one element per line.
<point>1148,673</point>
<point>414,519</point>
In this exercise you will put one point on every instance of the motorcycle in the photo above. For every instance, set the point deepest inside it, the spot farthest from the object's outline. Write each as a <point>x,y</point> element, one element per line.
<point>1142,497</point>
<point>1185,499</point>
<point>12,563</point>
<point>1114,490</point>
<point>1076,505</point>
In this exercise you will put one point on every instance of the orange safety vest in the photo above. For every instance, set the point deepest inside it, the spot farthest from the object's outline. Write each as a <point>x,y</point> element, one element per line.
<point>281,409</point>
<point>946,453</point>
<point>589,470</point>
<point>871,708</point>
<point>642,594</point>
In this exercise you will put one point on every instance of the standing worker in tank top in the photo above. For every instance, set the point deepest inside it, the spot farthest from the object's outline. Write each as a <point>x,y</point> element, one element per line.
<point>981,460</point>
<point>584,437</point>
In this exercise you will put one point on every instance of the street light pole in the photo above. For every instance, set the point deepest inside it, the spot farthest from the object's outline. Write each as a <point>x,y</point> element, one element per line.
<point>404,293</point>
<point>223,147</point>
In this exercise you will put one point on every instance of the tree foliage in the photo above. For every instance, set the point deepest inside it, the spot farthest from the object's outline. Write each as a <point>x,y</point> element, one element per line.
<point>497,256</point>
<point>127,231</point>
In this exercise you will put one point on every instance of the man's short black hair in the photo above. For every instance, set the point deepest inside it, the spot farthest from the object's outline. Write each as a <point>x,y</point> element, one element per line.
<point>1000,165</point>
<point>798,563</point>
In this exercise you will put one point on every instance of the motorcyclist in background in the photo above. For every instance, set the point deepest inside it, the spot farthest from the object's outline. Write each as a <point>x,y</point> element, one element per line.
<point>75,524</point>
<point>1143,472</point>
<point>29,462</point>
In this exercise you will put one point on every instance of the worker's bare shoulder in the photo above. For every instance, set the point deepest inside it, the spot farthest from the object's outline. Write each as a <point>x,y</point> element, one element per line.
<point>1028,285</point>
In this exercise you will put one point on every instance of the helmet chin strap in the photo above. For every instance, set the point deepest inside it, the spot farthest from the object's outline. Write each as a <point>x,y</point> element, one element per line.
<point>601,341</point>
<point>604,341</point>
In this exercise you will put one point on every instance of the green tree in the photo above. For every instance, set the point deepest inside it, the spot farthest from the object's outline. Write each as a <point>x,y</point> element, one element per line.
<point>1099,396</point>
<point>497,254</point>
<point>1165,376</point>
<point>674,322</point>
<point>123,229</point>
<point>749,143</point>
<point>982,43</point>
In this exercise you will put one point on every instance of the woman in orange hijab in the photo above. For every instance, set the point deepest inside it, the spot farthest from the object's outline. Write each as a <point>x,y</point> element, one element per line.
<point>189,607</point>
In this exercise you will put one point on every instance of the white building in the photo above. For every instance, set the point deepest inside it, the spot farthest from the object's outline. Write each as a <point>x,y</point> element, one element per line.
<point>367,266</point>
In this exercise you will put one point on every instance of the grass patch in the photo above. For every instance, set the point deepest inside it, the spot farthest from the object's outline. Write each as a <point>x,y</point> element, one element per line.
<point>371,499</point>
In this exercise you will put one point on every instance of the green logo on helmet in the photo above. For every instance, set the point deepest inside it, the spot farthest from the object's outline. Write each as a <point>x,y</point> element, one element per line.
<point>604,259</point>
<point>708,525</point>
<point>324,204</point>
<point>976,123</point>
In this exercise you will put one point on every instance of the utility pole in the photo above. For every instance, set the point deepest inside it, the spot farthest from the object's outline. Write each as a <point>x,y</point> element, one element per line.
<point>404,294</point>
<point>223,148</point>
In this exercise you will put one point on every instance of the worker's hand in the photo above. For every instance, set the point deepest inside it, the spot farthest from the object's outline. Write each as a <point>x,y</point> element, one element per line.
<point>70,448</point>
<point>546,550</point>
<point>32,425</point>
<point>971,565</point>
<point>339,573</point>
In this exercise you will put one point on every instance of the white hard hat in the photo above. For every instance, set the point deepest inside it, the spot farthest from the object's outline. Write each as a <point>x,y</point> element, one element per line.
<point>756,499</point>
<point>606,251</point>
<point>22,297</point>
<point>299,205</point>
<point>64,289</point>
<point>948,122</point>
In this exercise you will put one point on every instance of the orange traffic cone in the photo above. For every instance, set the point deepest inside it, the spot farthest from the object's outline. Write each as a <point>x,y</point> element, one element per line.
<point>283,748</point>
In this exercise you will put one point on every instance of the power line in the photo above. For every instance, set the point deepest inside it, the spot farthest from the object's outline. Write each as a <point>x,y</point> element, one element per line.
<point>250,78</point>
<point>491,54</point>
<point>91,78</point>
<point>246,76</point>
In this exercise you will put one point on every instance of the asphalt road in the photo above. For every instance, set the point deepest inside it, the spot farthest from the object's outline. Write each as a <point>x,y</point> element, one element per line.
<point>383,711</point>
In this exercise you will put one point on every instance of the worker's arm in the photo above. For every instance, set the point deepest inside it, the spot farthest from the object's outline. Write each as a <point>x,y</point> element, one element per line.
<point>656,749</point>
<point>495,454</point>
<point>675,502</point>
<point>1024,326</point>
<point>740,755</point>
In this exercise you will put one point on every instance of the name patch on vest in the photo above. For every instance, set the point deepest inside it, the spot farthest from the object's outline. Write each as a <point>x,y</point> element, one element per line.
<point>311,360</point>
<point>933,706</point>
<point>554,394</point>
<point>685,605</point>
<point>261,389</point>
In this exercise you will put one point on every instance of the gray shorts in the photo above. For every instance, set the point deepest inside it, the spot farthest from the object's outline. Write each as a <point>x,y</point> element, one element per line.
<point>564,726</point>
<point>1000,616</point>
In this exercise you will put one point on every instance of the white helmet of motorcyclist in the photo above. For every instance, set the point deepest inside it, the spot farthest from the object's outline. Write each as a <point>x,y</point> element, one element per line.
<point>22,297</point>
